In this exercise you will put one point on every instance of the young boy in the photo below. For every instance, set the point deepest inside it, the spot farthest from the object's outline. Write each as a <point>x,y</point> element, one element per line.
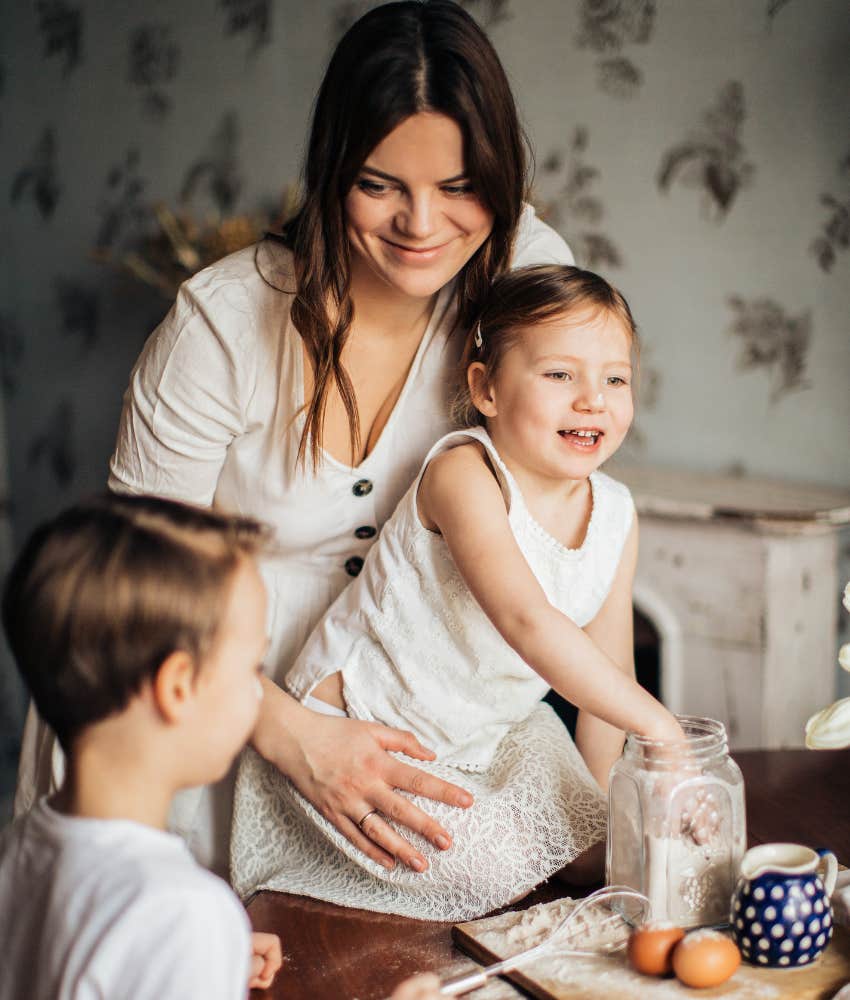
<point>138,625</point>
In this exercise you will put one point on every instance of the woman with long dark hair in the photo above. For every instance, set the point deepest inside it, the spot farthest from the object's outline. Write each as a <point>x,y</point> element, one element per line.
<point>302,380</point>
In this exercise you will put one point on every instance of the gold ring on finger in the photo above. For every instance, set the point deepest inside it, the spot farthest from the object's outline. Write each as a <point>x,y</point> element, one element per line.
<point>372,812</point>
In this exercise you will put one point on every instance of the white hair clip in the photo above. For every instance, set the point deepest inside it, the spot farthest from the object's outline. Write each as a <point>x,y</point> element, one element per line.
<point>479,340</point>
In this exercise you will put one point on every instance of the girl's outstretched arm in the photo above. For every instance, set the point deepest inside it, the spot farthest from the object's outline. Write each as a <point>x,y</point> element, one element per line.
<point>598,742</point>
<point>460,498</point>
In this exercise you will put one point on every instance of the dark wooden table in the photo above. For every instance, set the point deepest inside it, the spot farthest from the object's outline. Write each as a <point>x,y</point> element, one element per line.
<point>332,952</point>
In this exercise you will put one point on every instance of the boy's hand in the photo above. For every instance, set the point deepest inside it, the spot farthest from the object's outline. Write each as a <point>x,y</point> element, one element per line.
<point>424,987</point>
<point>266,960</point>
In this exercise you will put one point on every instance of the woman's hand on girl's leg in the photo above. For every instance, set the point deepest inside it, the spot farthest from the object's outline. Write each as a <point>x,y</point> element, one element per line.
<point>347,772</point>
<point>344,768</point>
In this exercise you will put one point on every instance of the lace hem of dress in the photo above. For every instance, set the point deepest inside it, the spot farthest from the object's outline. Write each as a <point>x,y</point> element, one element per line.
<point>536,809</point>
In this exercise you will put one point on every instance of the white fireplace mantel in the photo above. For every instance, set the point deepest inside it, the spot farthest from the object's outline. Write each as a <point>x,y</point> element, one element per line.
<point>739,576</point>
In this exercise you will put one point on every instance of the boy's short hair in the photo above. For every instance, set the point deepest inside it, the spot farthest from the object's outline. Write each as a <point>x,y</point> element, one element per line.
<point>102,594</point>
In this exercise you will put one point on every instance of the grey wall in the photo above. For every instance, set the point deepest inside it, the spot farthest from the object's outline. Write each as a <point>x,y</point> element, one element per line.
<point>696,151</point>
<point>11,699</point>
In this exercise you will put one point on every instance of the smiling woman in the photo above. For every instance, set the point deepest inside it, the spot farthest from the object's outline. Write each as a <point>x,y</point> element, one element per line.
<point>414,217</point>
<point>405,73</point>
<point>304,379</point>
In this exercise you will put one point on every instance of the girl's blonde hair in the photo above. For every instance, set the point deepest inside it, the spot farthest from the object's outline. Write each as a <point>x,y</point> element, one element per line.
<point>524,298</point>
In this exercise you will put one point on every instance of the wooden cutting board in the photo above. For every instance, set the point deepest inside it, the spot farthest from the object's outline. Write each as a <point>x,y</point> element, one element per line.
<point>603,977</point>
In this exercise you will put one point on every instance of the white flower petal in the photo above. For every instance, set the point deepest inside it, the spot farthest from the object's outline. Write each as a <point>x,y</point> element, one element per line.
<point>829,729</point>
<point>844,656</point>
<point>846,598</point>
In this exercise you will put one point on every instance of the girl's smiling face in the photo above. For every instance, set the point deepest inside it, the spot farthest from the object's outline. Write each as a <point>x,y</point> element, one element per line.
<point>413,218</point>
<point>561,400</point>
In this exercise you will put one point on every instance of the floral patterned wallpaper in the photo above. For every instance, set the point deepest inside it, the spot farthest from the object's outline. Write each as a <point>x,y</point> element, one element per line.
<point>695,151</point>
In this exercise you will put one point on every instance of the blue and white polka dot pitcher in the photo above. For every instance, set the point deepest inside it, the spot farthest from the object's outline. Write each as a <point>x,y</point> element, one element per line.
<point>781,914</point>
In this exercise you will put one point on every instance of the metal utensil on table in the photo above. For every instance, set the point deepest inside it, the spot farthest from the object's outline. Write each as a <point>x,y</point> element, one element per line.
<point>612,898</point>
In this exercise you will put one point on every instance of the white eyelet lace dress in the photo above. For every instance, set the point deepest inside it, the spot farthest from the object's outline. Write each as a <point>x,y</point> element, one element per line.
<point>417,652</point>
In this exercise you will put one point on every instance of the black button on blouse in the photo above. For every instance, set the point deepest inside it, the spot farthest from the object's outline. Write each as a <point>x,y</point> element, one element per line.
<point>353,565</point>
<point>361,488</point>
<point>367,531</point>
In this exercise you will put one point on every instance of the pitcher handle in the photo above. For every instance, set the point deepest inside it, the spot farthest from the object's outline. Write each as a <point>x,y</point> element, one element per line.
<point>831,873</point>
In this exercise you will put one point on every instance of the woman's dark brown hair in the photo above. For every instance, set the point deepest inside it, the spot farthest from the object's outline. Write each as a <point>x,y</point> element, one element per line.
<point>397,60</point>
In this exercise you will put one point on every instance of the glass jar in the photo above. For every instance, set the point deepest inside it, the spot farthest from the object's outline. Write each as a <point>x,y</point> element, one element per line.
<point>676,824</point>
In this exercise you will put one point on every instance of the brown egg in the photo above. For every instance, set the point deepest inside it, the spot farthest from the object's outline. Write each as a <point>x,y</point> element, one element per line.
<point>705,958</point>
<point>651,948</point>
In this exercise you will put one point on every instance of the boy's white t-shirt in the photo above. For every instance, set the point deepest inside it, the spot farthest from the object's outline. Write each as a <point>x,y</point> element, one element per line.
<point>93,908</point>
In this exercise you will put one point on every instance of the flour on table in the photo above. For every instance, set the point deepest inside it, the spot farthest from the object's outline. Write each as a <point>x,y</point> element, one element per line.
<point>592,929</point>
<point>605,975</point>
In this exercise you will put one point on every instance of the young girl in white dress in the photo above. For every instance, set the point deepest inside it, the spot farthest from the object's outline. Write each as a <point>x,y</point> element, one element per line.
<point>505,570</point>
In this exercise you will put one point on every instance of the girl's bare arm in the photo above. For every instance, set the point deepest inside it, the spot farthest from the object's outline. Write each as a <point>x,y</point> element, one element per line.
<point>611,630</point>
<point>461,498</point>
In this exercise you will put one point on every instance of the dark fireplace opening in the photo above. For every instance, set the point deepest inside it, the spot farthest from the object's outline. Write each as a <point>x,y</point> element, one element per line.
<point>647,645</point>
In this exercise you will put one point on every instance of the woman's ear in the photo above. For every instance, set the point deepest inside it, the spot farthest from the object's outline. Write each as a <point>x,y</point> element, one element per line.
<point>480,389</point>
<point>174,686</point>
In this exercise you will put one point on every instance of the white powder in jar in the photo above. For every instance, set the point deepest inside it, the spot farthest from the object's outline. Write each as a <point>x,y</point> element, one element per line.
<point>689,884</point>
<point>676,847</point>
